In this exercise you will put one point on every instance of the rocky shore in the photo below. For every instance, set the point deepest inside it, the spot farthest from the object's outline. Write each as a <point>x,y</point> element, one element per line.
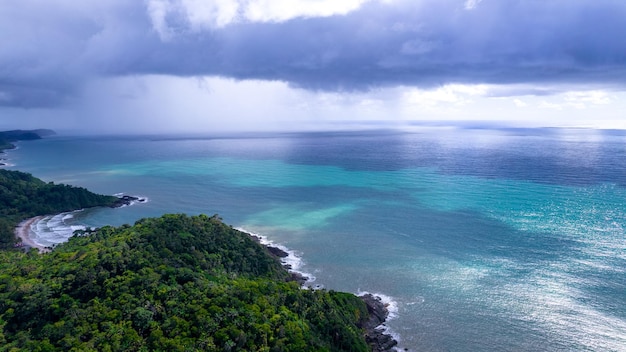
<point>374,335</point>
<point>125,200</point>
<point>280,254</point>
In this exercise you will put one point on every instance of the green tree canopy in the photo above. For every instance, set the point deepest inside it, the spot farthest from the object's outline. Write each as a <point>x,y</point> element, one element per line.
<point>174,283</point>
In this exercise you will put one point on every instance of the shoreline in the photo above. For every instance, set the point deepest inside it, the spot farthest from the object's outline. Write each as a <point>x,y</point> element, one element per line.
<point>288,258</point>
<point>24,228</point>
<point>22,231</point>
<point>376,334</point>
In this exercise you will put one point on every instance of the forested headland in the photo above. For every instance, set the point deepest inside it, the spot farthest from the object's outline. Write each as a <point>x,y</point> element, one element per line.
<point>174,283</point>
<point>8,137</point>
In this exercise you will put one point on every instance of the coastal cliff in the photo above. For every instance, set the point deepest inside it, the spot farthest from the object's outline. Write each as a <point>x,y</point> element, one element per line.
<point>167,283</point>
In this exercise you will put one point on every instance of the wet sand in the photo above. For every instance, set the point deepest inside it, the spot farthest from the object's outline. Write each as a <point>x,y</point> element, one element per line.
<point>23,232</point>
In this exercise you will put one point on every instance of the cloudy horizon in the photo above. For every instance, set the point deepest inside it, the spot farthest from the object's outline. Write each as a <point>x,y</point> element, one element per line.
<point>257,65</point>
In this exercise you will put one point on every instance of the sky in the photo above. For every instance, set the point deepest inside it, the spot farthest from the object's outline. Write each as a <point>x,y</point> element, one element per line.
<point>181,66</point>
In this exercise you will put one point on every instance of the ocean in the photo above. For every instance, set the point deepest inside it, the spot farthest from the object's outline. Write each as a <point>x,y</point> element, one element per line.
<point>480,239</point>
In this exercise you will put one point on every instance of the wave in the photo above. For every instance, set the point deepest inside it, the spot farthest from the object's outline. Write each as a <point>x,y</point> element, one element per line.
<point>4,161</point>
<point>392,313</point>
<point>390,303</point>
<point>293,261</point>
<point>51,230</point>
<point>138,199</point>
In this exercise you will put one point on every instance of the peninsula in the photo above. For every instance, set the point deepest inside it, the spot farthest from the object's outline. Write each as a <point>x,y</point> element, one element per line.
<point>173,283</point>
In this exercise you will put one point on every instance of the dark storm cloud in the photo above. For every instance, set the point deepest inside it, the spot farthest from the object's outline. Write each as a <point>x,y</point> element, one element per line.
<point>413,43</point>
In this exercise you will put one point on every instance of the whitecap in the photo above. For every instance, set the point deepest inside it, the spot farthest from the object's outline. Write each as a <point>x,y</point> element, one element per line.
<point>293,261</point>
<point>140,199</point>
<point>51,230</point>
<point>392,312</point>
<point>390,303</point>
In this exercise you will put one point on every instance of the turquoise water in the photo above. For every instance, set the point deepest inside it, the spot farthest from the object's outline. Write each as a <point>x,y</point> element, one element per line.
<point>509,240</point>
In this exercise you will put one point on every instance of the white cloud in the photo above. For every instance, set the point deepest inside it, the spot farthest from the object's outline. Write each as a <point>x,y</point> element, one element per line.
<point>577,99</point>
<point>448,95</point>
<point>196,15</point>
<point>167,104</point>
<point>519,103</point>
<point>204,14</point>
<point>282,10</point>
<point>549,105</point>
<point>580,99</point>
<point>158,10</point>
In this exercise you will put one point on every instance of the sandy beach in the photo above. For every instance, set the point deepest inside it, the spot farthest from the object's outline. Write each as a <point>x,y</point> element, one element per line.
<point>22,231</point>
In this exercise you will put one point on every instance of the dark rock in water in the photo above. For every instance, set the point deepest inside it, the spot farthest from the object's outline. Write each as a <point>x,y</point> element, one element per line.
<point>126,200</point>
<point>277,252</point>
<point>376,337</point>
<point>297,277</point>
<point>377,310</point>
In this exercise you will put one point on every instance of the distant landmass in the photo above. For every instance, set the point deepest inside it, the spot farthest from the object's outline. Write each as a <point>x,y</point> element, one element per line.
<point>24,135</point>
<point>8,137</point>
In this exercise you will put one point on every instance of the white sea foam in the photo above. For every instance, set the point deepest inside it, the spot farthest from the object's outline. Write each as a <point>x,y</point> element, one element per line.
<point>4,157</point>
<point>392,308</point>
<point>141,199</point>
<point>390,303</point>
<point>51,230</point>
<point>293,260</point>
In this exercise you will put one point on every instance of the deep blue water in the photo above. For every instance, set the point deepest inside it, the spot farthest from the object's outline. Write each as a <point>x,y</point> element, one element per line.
<point>509,240</point>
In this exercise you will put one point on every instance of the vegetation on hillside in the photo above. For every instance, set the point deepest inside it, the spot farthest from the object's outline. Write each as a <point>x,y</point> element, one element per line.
<point>174,283</point>
<point>23,196</point>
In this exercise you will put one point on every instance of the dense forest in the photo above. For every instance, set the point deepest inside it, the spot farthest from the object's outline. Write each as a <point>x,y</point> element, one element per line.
<point>174,283</point>
<point>23,196</point>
